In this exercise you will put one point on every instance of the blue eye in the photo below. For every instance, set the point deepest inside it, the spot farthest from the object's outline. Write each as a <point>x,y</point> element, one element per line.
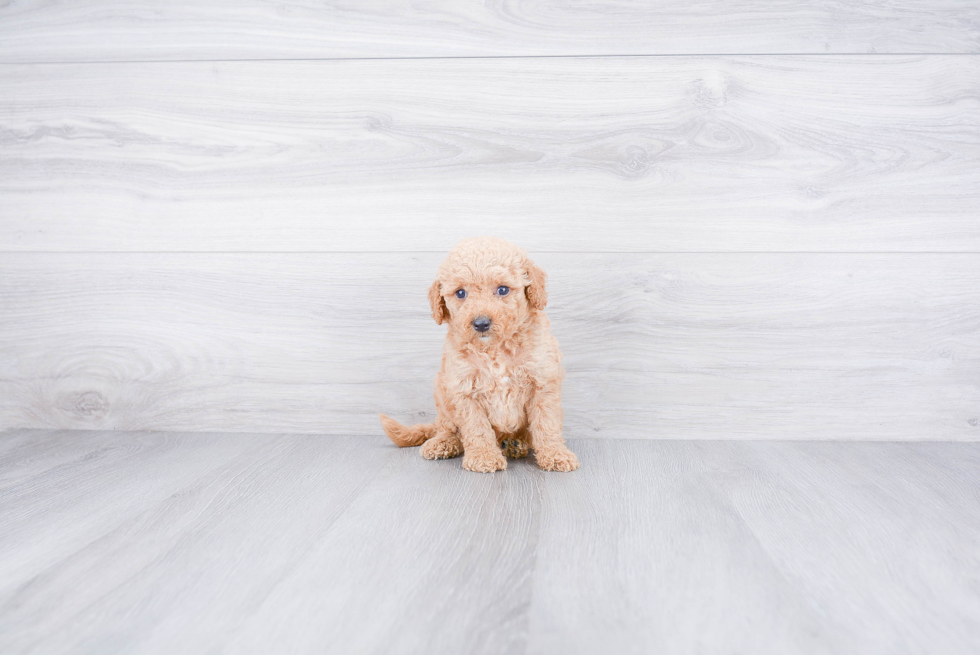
<point>460,293</point>
<point>502,290</point>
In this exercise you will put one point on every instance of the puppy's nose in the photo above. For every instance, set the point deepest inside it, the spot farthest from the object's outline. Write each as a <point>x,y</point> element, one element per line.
<point>481,323</point>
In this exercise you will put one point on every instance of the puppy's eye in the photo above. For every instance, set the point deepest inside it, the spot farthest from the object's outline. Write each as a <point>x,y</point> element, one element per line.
<point>502,290</point>
<point>460,293</point>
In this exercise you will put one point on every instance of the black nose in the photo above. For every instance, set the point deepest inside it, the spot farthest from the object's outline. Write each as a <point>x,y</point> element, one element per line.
<point>481,323</point>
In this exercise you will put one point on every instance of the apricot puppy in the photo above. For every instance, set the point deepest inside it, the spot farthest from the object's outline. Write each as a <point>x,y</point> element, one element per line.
<point>499,390</point>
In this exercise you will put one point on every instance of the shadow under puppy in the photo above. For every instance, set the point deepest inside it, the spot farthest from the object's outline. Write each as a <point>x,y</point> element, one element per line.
<point>499,390</point>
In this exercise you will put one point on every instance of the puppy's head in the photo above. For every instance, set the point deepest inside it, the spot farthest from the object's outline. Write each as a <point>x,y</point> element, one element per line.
<point>487,290</point>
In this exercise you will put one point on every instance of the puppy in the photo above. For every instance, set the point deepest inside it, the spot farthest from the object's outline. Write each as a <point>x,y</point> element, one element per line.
<point>499,390</point>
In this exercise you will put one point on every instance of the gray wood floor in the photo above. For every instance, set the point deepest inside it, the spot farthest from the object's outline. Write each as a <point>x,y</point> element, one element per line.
<point>166,542</point>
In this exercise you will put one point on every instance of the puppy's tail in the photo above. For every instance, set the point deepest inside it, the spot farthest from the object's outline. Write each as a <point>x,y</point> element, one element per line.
<point>404,435</point>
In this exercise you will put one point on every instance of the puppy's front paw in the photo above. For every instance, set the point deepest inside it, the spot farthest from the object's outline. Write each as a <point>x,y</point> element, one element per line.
<point>442,448</point>
<point>484,461</point>
<point>557,460</point>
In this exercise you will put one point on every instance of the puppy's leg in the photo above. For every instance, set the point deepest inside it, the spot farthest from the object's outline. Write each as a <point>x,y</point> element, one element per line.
<point>481,452</point>
<point>515,447</point>
<point>444,445</point>
<point>544,421</point>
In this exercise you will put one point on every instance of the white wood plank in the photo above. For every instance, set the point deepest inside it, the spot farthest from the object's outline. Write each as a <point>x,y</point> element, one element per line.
<point>610,154</point>
<point>126,29</point>
<point>785,346</point>
<point>306,544</point>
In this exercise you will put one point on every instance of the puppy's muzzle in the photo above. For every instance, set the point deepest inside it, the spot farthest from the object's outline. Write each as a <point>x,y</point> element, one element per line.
<point>481,323</point>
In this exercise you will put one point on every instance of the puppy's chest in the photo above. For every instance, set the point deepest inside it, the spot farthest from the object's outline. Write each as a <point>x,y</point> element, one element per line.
<point>504,393</point>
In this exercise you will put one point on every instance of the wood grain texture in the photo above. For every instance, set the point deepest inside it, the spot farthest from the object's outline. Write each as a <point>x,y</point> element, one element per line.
<point>259,543</point>
<point>759,547</point>
<point>599,154</point>
<point>253,29</point>
<point>220,521</point>
<point>43,522</point>
<point>784,346</point>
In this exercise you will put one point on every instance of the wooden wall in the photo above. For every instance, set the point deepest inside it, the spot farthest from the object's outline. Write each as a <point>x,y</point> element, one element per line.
<point>760,219</point>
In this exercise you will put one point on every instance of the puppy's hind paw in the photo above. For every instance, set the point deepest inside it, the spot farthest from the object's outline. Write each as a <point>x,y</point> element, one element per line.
<point>484,461</point>
<point>559,460</point>
<point>514,448</point>
<point>442,448</point>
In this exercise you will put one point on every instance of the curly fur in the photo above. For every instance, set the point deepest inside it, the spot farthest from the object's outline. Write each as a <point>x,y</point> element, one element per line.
<point>498,392</point>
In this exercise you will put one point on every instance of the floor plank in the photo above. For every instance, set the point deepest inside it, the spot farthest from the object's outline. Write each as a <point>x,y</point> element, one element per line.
<point>431,539</point>
<point>126,30</point>
<point>582,155</point>
<point>229,531</point>
<point>64,508</point>
<point>781,346</point>
<point>645,554</point>
<point>316,544</point>
<point>878,554</point>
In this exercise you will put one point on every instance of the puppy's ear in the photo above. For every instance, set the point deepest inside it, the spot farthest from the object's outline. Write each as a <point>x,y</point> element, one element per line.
<point>439,311</point>
<point>537,294</point>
